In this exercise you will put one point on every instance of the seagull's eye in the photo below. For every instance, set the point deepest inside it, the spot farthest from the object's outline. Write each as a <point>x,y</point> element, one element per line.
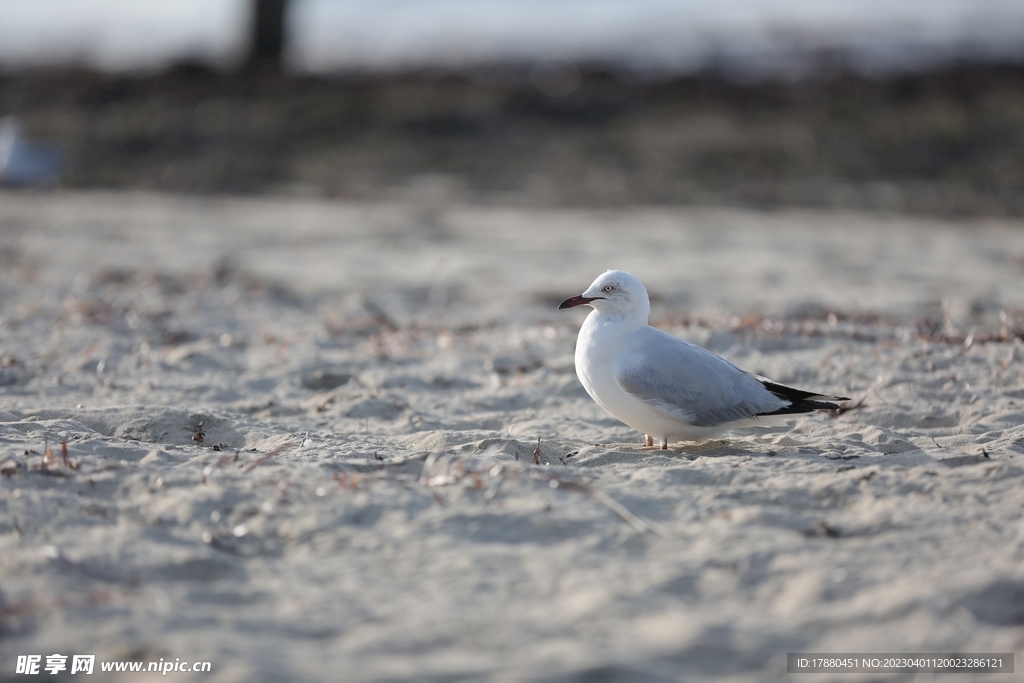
<point>608,288</point>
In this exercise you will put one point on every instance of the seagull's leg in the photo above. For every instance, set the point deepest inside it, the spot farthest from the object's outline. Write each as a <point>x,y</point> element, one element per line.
<point>650,440</point>
<point>664,444</point>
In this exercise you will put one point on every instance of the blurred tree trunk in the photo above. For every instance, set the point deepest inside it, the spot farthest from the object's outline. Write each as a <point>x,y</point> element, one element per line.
<point>267,34</point>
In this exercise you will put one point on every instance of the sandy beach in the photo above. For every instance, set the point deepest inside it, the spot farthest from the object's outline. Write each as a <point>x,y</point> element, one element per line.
<point>322,440</point>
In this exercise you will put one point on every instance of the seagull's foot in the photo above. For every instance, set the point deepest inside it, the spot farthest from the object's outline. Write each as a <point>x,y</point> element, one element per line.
<point>650,440</point>
<point>664,444</point>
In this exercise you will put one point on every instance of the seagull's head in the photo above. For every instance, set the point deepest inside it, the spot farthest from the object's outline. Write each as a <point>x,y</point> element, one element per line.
<point>614,292</point>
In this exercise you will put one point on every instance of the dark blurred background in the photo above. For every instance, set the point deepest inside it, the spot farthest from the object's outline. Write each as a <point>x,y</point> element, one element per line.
<point>896,106</point>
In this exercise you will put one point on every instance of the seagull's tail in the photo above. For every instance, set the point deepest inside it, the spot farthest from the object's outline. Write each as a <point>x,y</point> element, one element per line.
<point>800,401</point>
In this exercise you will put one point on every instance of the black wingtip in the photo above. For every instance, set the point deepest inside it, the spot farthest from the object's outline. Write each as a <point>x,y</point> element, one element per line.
<point>800,401</point>
<point>802,407</point>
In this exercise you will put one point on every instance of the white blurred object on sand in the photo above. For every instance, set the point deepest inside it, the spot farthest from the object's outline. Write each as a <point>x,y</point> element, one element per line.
<point>24,163</point>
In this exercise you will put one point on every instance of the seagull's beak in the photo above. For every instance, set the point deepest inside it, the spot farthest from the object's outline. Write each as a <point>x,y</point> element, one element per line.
<point>578,300</point>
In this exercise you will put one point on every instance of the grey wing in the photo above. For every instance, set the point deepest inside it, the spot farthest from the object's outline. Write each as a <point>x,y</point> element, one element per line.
<point>690,383</point>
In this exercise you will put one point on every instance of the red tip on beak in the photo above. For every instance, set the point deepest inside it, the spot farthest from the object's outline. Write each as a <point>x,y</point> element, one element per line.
<point>577,301</point>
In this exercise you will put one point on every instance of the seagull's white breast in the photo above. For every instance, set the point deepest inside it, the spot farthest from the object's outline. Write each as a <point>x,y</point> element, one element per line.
<point>605,345</point>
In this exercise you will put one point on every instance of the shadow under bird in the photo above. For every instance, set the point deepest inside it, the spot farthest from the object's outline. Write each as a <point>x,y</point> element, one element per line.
<point>668,388</point>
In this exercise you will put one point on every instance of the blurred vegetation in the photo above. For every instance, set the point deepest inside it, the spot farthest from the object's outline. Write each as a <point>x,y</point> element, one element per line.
<point>948,141</point>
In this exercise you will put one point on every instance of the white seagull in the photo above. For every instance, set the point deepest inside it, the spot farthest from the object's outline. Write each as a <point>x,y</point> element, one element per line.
<point>663,386</point>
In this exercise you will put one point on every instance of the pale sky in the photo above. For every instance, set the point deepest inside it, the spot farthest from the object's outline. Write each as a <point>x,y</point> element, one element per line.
<point>326,34</point>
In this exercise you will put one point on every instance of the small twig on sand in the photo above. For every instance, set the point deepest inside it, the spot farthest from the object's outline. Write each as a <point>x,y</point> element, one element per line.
<point>851,406</point>
<point>259,461</point>
<point>379,463</point>
<point>378,314</point>
<point>49,461</point>
<point>64,456</point>
<point>636,521</point>
<point>640,524</point>
<point>536,453</point>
